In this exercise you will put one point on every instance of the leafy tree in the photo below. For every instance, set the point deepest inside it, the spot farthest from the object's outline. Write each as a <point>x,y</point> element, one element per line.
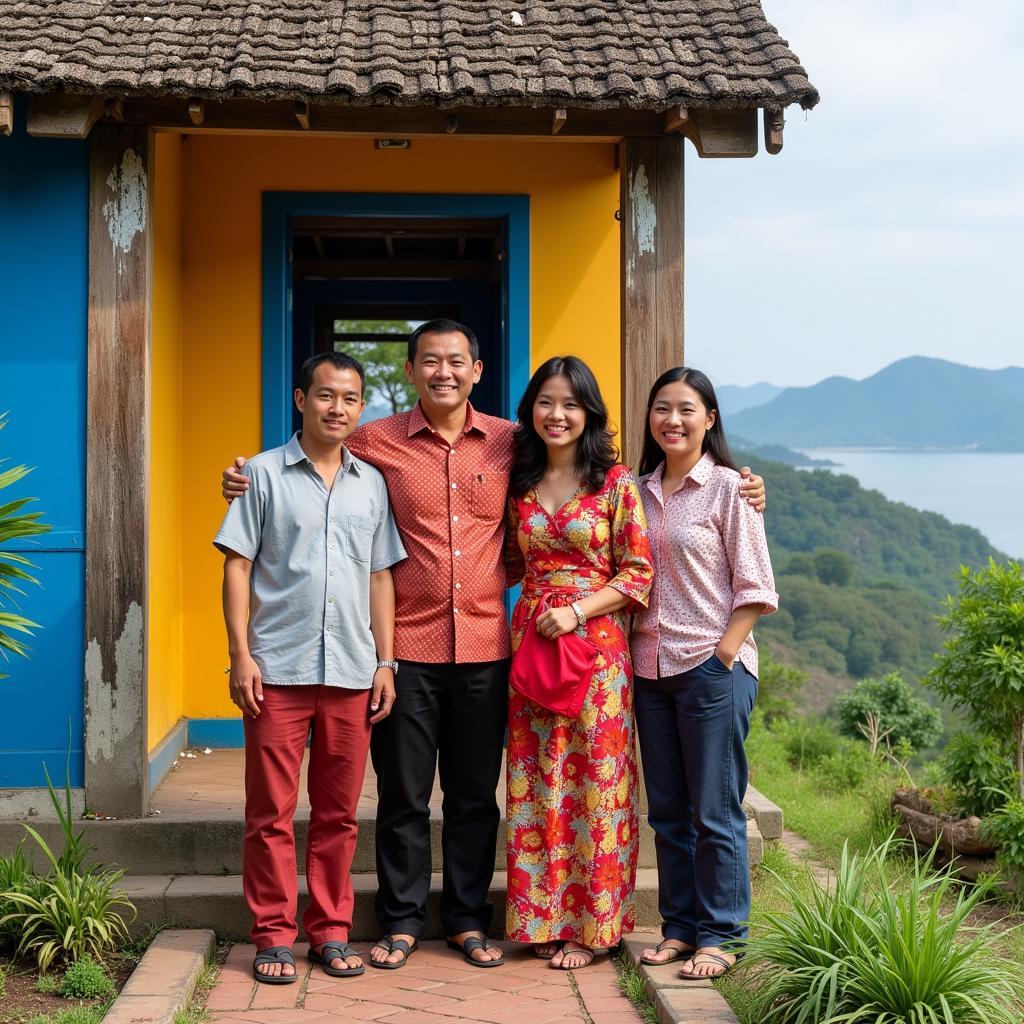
<point>981,669</point>
<point>383,361</point>
<point>894,706</point>
<point>14,525</point>
<point>833,567</point>
<point>777,686</point>
<point>802,564</point>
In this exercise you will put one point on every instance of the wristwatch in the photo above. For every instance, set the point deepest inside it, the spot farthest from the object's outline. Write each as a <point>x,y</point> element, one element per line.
<point>580,617</point>
<point>388,663</point>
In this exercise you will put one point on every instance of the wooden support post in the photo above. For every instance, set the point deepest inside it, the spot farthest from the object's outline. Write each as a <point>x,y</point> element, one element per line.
<point>651,275</point>
<point>302,113</point>
<point>62,115</point>
<point>116,767</point>
<point>6,113</point>
<point>197,111</point>
<point>113,108</point>
<point>558,120</point>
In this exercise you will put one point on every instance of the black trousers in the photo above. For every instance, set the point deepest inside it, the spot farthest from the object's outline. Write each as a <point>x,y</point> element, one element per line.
<point>452,717</point>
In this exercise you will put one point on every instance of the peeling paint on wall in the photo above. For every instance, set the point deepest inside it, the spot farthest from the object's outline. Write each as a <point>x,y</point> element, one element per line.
<point>645,219</point>
<point>113,707</point>
<point>126,213</point>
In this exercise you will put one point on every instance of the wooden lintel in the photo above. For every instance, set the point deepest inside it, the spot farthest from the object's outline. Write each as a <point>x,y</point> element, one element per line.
<point>723,133</point>
<point>558,120</point>
<point>6,113</point>
<point>113,109</point>
<point>302,113</point>
<point>197,110</point>
<point>774,123</point>
<point>363,269</point>
<point>676,119</point>
<point>62,115</point>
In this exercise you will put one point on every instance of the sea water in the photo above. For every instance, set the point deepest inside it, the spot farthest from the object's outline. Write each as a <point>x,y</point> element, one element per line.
<point>983,490</point>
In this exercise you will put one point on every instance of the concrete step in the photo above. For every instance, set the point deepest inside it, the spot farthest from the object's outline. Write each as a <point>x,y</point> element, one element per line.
<point>205,901</point>
<point>182,845</point>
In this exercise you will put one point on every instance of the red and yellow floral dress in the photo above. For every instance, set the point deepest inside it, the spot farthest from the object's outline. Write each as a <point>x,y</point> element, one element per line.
<point>572,808</point>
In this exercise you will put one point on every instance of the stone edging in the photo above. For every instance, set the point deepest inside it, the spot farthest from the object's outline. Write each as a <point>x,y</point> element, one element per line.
<point>677,1001</point>
<point>165,979</point>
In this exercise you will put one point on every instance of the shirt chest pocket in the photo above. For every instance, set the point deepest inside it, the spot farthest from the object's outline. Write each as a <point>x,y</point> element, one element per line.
<point>358,537</point>
<point>487,495</point>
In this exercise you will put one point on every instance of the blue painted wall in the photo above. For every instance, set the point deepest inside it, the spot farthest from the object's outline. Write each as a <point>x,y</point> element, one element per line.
<point>44,289</point>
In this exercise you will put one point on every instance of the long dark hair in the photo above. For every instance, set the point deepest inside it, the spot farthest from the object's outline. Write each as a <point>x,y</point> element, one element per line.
<point>714,440</point>
<point>595,452</point>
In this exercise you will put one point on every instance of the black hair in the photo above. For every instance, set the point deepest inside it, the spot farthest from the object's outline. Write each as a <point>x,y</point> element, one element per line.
<point>339,360</point>
<point>714,440</point>
<point>595,451</point>
<point>443,326</point>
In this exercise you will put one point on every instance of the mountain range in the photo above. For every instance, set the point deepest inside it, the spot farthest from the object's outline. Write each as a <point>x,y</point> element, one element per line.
<point>914,403</point>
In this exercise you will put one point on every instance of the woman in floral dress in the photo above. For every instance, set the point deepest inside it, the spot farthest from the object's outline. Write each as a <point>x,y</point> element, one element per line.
<point>577,521</point>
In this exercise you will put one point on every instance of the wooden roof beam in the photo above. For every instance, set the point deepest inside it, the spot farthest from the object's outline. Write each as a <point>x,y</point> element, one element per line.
<point>558,119</point>
<point>774,123</point>
<point>716,133</point>
<point>197,110</point>
<point>62,115</point>
<point>6,113</point>
<point>302,114</point>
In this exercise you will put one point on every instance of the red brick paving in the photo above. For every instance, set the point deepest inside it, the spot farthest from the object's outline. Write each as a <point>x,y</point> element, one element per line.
<point>436,987</point>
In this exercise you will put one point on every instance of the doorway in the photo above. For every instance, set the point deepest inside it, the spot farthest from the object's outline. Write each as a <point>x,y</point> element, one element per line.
<point>358,273</point>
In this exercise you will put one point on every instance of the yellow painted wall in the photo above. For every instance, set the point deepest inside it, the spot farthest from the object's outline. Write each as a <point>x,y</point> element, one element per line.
<point>165,611</point>
<point>574,274</point>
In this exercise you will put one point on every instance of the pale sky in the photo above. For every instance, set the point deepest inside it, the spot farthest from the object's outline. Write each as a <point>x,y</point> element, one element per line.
<point>892,222</point>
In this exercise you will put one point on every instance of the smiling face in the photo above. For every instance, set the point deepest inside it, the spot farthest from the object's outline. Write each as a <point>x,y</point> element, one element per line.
<point>444,371</point>
<point>332,406</point>
<point>679,420</point>
<point>558,416</point>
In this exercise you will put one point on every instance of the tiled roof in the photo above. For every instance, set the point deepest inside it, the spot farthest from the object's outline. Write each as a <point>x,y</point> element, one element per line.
<point>647,54</point>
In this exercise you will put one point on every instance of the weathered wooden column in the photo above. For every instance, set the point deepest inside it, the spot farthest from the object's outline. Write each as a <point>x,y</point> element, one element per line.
<point>651,276</point>
<point>116,473</point>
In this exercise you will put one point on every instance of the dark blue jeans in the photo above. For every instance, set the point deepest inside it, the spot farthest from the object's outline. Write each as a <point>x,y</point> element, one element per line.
<point>691,729</point>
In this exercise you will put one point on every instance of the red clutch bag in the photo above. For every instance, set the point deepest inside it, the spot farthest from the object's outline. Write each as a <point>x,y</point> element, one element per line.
<point>554,673</point>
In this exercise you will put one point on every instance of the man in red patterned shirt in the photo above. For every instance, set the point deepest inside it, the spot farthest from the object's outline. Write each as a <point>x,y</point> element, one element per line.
<point>447,468</point>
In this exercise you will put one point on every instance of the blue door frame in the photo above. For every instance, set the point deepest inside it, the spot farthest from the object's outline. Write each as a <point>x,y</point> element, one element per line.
<point>279,210</point>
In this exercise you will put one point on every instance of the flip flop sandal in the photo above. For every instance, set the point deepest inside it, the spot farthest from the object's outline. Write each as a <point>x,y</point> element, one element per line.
<point>470,945</point>
<point>719,959</point>
<point>335,951</point>
<point>578,949</point>
<point>274,955</point>
<point>392,944</point>
<point>547,956</point>
<point>677,955</point>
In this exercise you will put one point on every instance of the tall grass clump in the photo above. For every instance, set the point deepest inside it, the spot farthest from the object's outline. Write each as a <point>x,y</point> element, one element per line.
<point>866,951</point>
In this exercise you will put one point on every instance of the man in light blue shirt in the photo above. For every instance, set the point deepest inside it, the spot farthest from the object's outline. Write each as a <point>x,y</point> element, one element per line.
<point>309,606</point>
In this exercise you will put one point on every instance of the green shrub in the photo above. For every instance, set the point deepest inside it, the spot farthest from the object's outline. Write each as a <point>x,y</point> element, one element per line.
<point>895,708</point>
<point>862,950</point>
<point>1004,829</point>
<point>777,686</point>
<point>15,876</point>
<point>47,984</point>
<point>847,769</point>
<point>808,742</point>
<point>86,979</point>
<point>979,771</point>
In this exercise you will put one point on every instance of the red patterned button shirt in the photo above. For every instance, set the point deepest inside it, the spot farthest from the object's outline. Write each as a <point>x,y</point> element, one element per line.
<point>449,502</point>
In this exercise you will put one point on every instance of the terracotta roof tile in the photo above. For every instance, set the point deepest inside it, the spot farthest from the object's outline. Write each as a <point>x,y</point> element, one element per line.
<point>604,53</point>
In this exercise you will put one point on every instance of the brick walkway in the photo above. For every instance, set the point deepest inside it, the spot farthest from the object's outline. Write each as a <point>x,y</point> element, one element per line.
<point>435,987</point>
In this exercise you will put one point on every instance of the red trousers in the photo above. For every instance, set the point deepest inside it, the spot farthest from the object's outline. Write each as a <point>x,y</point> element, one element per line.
<point>274,744</point>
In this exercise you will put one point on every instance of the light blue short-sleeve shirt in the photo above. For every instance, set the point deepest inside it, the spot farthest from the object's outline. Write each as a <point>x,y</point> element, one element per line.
<point>312,552</point>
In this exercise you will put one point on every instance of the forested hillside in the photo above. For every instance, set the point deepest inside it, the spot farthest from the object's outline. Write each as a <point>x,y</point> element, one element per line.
<point>860,577</point>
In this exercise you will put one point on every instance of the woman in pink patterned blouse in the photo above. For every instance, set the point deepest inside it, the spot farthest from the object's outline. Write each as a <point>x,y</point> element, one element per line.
<point>696,672</point>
